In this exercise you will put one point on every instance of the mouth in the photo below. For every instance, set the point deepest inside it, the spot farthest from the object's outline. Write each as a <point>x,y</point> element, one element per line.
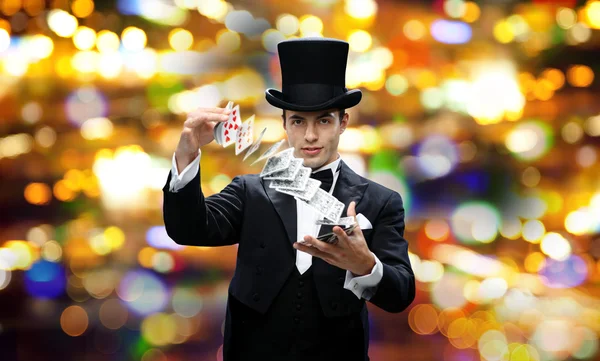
<point>312,150</point>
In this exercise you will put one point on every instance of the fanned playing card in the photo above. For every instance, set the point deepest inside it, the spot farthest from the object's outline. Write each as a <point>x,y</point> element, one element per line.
<point>272,150</point>
<point>305,195</point>
<point>335,212</point>
<point>322,202</point>
<point>344,221</point>
<point>217,133</point>
<point>255,145</point>
<point>289,173</point>
<point>230,128</point>
<point>298,183</point>
<point>217,130</point>
<point>244,135</point>
<point>278,162</point>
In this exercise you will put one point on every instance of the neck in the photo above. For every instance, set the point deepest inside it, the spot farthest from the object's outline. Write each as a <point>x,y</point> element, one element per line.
<point>328,163</point>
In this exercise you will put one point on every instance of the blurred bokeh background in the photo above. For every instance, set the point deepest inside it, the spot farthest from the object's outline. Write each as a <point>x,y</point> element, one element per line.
<point>483,115</point>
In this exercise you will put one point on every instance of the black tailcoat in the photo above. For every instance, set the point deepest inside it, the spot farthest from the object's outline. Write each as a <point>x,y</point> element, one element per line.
<point>262,222</point>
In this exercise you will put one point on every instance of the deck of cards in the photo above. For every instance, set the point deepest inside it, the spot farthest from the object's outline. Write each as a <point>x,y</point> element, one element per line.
<point>331,238</point>
<point>289,176</point>
<point>234,131</point>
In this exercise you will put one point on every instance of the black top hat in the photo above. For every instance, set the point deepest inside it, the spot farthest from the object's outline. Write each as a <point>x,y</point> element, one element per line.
<point>313,74</point>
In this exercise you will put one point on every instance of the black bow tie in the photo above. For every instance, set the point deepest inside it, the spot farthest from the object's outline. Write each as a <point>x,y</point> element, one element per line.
<point>326,178</point>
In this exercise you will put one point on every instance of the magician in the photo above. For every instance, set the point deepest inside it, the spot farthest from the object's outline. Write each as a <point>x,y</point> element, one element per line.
<point>293,297</point>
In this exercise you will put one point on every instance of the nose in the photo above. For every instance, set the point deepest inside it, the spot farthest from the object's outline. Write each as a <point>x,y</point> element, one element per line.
<point>311,135</point>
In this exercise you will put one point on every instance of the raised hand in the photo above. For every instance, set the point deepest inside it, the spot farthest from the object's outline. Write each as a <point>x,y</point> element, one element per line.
<point>197,132</point>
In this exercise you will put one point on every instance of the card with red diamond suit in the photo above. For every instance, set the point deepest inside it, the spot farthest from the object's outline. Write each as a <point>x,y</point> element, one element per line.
<point>230,128</point>
<point>244,135</point>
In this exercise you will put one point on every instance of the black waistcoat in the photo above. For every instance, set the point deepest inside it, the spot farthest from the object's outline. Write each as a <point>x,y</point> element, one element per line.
<point>294,328</point>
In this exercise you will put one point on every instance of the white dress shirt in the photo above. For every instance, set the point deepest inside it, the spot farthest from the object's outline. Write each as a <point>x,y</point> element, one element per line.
<point>362,286</point>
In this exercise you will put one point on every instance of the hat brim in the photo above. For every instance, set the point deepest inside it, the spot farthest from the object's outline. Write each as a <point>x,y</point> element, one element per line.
<point>343,101</point>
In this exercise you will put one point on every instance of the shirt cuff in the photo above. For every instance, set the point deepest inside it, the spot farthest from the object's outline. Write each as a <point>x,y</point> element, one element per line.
<point>179,181</point>
<point>365,286</point>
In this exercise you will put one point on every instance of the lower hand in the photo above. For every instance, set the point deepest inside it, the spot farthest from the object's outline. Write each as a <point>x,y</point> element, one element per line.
<point>350,253</point>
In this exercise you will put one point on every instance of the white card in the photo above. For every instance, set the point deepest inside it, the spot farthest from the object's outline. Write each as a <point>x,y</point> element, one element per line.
<point>230,128</point>
<point>335,212</point>
<point>244,135</point>
<point>269,151</point>
<point>343,221</point>
<point>297,184</point>
<point>255,145</point>
<point>322,202</point>
<point>305,195</point>
<point>278,162</point>
<point>290,172</point>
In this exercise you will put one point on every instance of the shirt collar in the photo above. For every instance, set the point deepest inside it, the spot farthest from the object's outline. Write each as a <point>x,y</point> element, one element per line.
<point>333,165</point>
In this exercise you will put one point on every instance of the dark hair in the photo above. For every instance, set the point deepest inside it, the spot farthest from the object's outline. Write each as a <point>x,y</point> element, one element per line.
<point>341,113</point>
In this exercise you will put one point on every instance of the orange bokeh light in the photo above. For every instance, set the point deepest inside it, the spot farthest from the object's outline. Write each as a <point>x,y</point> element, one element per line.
<point>74,321</point>
<point>38,193</point>
<point>423,319</point>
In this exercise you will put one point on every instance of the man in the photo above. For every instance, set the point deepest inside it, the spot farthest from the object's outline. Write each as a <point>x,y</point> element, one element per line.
<point>291,300</point>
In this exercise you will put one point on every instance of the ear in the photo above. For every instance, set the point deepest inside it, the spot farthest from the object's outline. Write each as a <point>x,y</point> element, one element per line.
<point>344,122</point>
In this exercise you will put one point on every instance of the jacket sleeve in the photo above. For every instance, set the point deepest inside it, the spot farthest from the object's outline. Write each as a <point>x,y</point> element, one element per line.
<point>191,219</point>
<point>396,290</point>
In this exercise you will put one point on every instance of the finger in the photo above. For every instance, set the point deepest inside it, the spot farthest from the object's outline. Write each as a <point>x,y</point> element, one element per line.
<point>200,112</point>
<point>357,231</point>
<point>341,235</point>
<point>351,212</point>
<point>320,245</point>
<point>213,110</point>
<point>312,251</point>
<point>203,118</point>
<point>211,126</point>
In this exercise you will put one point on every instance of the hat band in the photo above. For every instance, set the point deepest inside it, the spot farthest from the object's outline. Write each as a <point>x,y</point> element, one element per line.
<point>311,93</point>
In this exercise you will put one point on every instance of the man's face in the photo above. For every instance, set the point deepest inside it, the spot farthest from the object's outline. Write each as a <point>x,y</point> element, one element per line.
<point>315,135</point>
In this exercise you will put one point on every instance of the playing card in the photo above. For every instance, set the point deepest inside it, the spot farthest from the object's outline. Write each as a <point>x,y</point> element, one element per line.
<point>335,211</point>
<point>304,195</point>
<point>290,172</point>
<point>217,130</point>
<point>244,135</point>
<point>298,183</point>
<point>342,222</point>
<point>278,162</point>
<point>255,145</point>
<point>217,133</point>
<point>231,126</point>
<point>269,151</point>
<point>322,202</point>
<point>332,238</point>
<point>328,238</point>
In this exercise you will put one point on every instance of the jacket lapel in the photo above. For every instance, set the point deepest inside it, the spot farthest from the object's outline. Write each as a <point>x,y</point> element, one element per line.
<point>285,205</point>
<point>349,187</point>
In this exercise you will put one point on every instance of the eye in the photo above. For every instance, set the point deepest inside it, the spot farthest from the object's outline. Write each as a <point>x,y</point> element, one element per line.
<point>324,120</point>
<point>297,121</point>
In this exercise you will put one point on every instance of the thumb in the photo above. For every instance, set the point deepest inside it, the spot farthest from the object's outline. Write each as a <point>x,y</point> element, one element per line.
<point>351,212</point>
